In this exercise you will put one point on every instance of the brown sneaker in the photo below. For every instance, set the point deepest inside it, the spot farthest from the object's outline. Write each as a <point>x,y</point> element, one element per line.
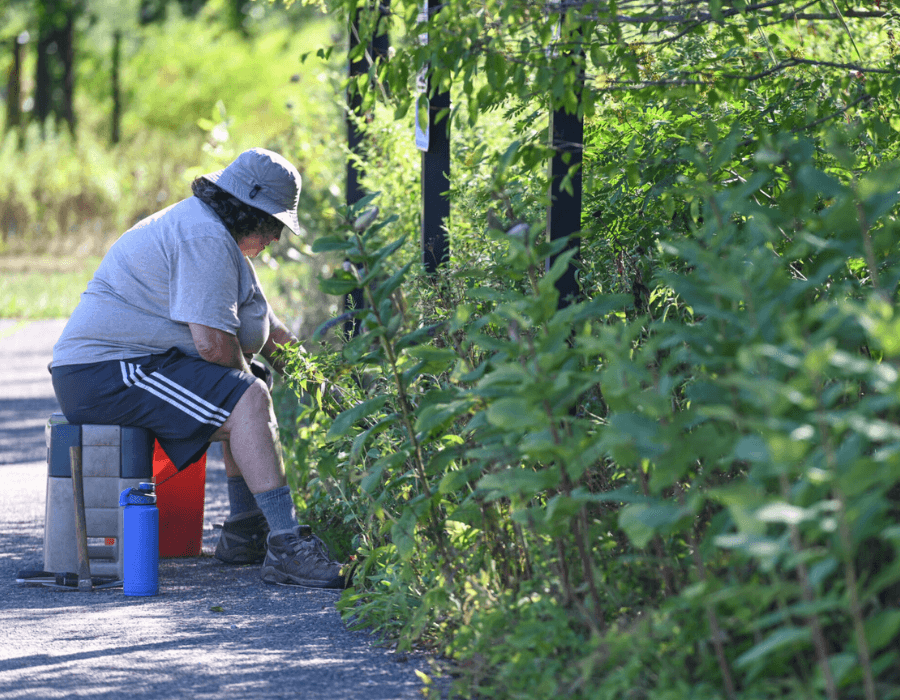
<point>243,539</point>
<point>299,558</point>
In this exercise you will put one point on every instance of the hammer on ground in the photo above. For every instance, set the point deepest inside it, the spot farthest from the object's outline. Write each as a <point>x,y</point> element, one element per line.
<point>85,584</point>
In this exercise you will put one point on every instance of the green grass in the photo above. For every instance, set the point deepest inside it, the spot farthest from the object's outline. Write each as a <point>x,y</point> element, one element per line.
<point>41,288</point>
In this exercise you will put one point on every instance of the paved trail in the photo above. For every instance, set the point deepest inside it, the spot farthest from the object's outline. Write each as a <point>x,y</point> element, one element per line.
<point>270,641</point>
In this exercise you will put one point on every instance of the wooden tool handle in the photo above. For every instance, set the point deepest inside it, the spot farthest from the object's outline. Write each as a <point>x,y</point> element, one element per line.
<point>84,565</point>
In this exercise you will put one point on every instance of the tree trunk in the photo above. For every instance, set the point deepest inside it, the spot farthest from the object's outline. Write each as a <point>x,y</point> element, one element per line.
<point>54,91</point>
<point>43,83</point>
<point>234,16</point>
<point>14,89</point>
<point>67,54</point>
<point>116,96</point>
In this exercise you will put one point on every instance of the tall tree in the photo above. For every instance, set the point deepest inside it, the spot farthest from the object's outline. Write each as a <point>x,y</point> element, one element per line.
<point>109,29</point>
<point>55,69</point>
<point>14,83</point>
<point>15,19</point>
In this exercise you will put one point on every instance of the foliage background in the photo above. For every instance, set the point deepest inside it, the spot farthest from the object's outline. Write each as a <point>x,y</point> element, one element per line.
<point>685,485</point>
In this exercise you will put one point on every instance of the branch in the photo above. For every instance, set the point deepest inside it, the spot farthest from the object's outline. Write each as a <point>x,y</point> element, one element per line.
<point>807,62</point>
<point>843,110</point>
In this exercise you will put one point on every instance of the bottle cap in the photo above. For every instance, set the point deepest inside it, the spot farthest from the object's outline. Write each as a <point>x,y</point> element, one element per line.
<point>137,497</point>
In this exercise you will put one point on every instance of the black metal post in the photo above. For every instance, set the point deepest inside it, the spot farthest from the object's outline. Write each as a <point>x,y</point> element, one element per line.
<point>354,105</point>
<point>354,190</point>
<point>378,49</point>
<point>436,178</point>
<point>564,211</point>
<point>381,40</point>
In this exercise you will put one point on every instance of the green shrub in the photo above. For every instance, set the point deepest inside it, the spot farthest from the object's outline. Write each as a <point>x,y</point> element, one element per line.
<point>574,502</point>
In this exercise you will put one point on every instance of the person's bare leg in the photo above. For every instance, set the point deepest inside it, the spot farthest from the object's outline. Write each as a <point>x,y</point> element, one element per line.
<point>292,557</point>
<point>243,537</point>
<point>252,446</point>
<point>231,468</point>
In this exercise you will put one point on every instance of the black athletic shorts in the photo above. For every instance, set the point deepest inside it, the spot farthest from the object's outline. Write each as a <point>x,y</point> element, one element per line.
<point>181,399</point>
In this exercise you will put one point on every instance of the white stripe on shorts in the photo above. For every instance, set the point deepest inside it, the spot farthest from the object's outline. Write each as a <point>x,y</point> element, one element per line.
<point>173,394</point>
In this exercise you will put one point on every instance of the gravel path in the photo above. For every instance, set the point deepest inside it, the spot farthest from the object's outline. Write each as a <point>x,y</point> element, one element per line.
<point>268,641</point>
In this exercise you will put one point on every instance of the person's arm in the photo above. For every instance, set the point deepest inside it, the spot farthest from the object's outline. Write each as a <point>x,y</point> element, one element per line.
<point>218,347</point>
<point>279,336</point>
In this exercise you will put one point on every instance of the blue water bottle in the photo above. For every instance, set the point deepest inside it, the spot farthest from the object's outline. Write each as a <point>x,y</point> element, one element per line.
<point>140,541</point>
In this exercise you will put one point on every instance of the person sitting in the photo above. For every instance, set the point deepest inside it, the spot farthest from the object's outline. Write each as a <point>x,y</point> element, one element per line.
<point>163,339</point>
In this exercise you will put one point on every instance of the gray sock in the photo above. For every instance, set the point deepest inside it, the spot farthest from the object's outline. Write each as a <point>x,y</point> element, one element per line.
<point>278,507</point>
<point>239,496</point>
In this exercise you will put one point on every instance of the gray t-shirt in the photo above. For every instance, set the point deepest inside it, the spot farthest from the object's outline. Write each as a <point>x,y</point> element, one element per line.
<point>175,267</point>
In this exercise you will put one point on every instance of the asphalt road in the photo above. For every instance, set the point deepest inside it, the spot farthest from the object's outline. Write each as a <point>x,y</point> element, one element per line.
<point>213,631</point>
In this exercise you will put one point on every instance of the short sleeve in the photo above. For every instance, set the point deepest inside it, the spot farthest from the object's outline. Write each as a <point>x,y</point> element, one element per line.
<point>204,283</point>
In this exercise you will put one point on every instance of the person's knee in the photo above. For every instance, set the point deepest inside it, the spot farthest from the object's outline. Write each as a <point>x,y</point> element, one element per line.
<point>255,404</point>
<point>256,398</point>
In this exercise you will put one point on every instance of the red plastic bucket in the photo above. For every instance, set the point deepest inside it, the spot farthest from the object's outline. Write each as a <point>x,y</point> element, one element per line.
<point>179,497</point>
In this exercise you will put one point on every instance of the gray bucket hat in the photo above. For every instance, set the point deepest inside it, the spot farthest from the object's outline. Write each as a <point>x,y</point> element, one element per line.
<point>265,180</point>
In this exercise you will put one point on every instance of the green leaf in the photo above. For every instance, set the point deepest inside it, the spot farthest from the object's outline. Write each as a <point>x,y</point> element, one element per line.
<point>454,480</point>
<point>388,463</point>
<point>515,414</point>
<point>436,359</point>
<point>461,375</point>
<point>742,501</point>
<point>439,461</point>
<point>641,521</point>
<point>786,636</point>
<point>357,347</point>
<point>389,250</point>
<point>360,441</point>
<point>338,286</point>
<point>403,534</point>
<point>392,460</point>
<point>882,629</point>
<point>416,337</point>
<point>345,421</point>
<point>390,284</point>
<point>517,481</point>
<point>631,521</point>
<point>751,448</point>
<point>327,244</point>
<point>371,479</point>
<point>817,181</point>
<point>600,307</point>
<point>437,417</point>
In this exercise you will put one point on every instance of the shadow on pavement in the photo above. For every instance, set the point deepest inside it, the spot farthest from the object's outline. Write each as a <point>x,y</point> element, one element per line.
<point>22,424</point>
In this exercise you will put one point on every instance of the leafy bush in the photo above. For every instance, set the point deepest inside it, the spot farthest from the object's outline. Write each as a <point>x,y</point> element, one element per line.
<point>612,500</point>
<point>684,485</point>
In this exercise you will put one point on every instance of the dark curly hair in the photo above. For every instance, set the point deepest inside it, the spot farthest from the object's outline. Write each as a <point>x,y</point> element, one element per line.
<point>240,219</point>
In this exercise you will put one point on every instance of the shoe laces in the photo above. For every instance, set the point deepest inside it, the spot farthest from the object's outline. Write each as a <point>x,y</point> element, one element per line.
<point>310,546</point>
